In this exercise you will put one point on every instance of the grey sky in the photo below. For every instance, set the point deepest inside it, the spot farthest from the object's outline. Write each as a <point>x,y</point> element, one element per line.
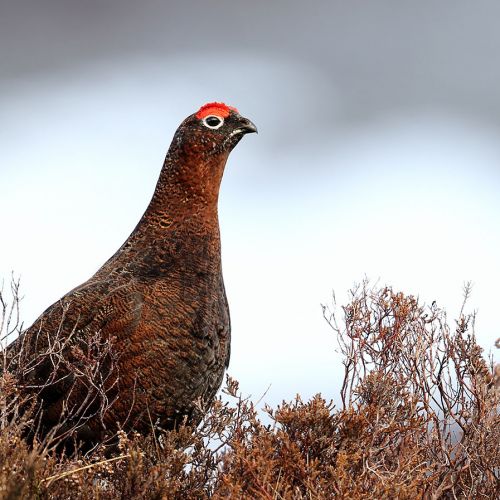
<point>380,54</point>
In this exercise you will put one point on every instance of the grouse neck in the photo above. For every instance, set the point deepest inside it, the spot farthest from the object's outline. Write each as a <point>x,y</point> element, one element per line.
<point>187,192</point>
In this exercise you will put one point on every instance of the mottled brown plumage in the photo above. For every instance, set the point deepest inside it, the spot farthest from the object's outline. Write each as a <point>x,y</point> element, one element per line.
<point>155,315</point>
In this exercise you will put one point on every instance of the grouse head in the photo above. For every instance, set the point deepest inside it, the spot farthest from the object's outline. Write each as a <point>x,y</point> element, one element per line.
<point>214,129</point>
<point>201,145</point>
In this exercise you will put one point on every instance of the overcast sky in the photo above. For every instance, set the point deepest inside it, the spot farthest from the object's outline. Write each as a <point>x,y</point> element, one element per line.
<point>378,155</point>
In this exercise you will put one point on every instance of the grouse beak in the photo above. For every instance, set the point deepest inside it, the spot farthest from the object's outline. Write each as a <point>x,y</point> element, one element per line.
<point>246,127</point>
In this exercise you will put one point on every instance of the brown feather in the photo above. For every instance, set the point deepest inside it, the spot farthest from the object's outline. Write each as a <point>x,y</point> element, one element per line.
<point>152,325</point>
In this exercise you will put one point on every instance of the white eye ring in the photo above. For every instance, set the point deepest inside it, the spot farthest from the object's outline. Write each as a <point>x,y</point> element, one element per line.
<point>213,126</point>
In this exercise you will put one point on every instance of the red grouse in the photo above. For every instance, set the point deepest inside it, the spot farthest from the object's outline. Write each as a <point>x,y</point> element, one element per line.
<point>146,340</point>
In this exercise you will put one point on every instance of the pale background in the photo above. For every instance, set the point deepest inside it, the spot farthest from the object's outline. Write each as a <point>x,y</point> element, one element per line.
<point>378,155</point>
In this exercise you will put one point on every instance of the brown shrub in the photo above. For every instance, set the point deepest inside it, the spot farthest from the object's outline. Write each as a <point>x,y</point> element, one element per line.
<point>419,418</point>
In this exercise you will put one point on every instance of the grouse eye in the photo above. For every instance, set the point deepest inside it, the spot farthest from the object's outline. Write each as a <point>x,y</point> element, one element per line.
<point>213,121</point>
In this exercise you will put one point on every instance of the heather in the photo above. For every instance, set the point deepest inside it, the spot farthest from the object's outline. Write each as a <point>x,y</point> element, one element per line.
<point>417,417</point>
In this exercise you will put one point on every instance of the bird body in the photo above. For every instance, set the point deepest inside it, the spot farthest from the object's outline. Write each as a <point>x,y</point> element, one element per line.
<point>145,340</point>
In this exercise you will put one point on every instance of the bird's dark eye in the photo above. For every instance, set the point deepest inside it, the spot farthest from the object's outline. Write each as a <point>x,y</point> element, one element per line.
<point>213,121</point>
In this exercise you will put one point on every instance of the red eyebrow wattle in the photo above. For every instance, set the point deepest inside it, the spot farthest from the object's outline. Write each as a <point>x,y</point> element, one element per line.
<point>215,108</point>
